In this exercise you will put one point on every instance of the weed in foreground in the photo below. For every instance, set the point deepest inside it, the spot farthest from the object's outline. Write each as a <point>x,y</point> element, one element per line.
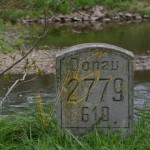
<point>27,133</point>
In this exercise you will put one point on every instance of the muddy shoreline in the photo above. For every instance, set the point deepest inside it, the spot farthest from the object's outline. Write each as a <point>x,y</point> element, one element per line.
<point>43,61</point>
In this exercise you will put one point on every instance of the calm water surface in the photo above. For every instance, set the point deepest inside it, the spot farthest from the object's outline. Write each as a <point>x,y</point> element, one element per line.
<point>134,36</point>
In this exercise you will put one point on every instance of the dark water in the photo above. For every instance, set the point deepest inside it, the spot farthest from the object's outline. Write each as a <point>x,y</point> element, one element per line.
<point>141,92</point>
<point>134,37</point>
<point>23,100</point>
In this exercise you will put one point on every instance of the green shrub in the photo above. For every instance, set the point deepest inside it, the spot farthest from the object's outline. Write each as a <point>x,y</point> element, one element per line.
<point>1,23</point>
<point>38,3</point>
<point>64,7</point>
<point>124,5</point>
<point>83,3</point>
<point>145,11</point>
<point>13,15</point>
<point>5,47</point>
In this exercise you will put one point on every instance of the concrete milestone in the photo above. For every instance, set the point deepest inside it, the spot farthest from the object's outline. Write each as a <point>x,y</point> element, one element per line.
<point>94,86</point>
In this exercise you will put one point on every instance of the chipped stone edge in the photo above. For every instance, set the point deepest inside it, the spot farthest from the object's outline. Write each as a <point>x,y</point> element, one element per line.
<point>94,45</point>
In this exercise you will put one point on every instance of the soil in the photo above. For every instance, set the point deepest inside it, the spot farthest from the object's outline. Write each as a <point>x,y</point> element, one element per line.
<point>43,61</point>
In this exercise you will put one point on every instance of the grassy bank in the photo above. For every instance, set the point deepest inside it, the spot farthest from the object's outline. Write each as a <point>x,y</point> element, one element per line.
<point>109,5</point>
<point>12,10</point>
<point>14,37</point>
<point>28,133</point>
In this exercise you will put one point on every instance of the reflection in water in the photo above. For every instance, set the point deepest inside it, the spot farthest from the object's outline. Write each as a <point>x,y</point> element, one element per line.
<point>22,99</point>
<point>134,37</point>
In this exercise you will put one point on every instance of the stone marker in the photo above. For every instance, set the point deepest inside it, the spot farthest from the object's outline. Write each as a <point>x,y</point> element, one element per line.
<point>94,86</point>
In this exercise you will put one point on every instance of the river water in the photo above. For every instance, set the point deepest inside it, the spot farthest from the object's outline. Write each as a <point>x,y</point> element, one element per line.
<point>23,98</point>
<point>134,37</point>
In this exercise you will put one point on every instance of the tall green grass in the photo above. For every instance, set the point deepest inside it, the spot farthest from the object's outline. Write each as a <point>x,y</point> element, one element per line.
<point>27,133</point>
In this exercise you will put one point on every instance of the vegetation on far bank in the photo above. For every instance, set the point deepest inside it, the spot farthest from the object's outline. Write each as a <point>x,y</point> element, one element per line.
<point>15,37</point>
<point>29,133</point>
<point>11,10</point>
<point>14,9</point>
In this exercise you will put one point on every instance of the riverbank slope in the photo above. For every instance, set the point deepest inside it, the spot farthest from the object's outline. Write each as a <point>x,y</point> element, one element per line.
<point>43,61</point>
<point>75,10</point>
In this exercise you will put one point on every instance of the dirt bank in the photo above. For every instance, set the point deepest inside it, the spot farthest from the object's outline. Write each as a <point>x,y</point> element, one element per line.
<point>44,61</point>
<point>37,61</point>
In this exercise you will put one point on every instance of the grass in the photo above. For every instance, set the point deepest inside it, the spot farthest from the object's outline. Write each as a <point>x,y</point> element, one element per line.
<point>145,11</point>
<point>13,10</point>
<point>27,133</point>
<point>11,37</point>
<point>14,37</point>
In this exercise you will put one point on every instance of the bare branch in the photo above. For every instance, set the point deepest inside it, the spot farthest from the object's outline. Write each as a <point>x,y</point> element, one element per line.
<point>12,87</point>
<point>27,81</point>
<point>36,43</point>
<point>45,31</point>
<point>38,40</point>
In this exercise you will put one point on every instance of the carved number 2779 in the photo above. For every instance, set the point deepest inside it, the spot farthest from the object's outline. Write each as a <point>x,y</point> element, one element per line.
<point>117,87</point>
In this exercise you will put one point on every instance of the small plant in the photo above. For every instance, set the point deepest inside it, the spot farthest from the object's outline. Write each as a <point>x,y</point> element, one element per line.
<point>15,14</point>
<point>1,24</point>
<point>84,3</point>
<point>4,47</point>
<point>145,11</point>
<point>64,7</point>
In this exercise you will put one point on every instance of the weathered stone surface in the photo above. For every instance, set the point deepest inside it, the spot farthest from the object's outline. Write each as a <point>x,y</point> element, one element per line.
<point>97,8</point>
<point>96,12</point>
<point>142,63</point>
<point>109,15</point>
<point>121,14</point>
<point>99,14</point>
<point>116,18</point>
<point>146,16</point>
<point>61,16</point>
<point>94,18</point>
<point>94,85</point>
<point>138,17</point>
<point>85,18</point>
<point>128,15</point>
<point>106,20</point>
<point>57,19</point>
<point>76,19</point>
